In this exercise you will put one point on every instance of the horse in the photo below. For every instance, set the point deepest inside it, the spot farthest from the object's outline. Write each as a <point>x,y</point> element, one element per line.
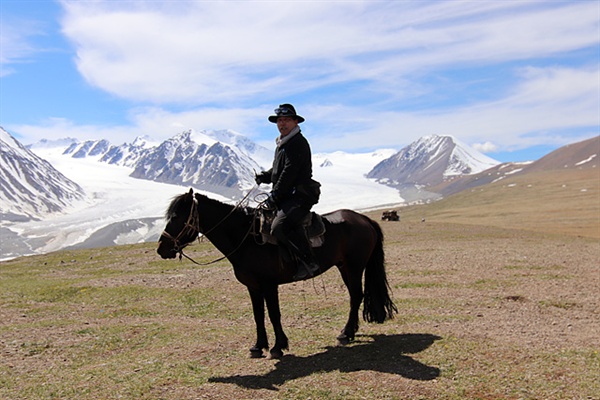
<point>353,243</point>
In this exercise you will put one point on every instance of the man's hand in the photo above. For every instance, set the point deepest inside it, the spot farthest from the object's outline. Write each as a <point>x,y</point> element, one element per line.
<point>263,177</point>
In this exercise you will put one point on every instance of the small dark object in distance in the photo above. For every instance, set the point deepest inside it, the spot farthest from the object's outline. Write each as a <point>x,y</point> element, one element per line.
<point>391,215</point>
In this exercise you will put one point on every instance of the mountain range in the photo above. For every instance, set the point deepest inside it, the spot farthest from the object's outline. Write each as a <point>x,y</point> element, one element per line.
<point>133,183</point>
<point>220,162</point>
<point>198,160</point>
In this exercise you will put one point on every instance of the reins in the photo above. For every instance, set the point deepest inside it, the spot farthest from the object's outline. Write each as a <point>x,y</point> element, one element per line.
<point>193,222</point>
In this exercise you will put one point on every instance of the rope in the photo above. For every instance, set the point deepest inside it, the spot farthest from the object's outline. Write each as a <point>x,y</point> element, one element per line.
<point>197,228</point>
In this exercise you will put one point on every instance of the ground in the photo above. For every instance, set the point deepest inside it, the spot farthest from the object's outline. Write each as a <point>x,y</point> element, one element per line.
<point>484,313</point>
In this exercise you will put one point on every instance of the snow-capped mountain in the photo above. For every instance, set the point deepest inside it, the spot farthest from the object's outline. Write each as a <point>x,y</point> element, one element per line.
<point>133,183</point>
<point>126,154</point>
<point>30,187</point>
<point>221,161</point>
<point>197,160</point>
<point>576,156</point>
<point>428,162</point>
<point>260,154</point>
<point>121,209</point>
<point>89,148</point>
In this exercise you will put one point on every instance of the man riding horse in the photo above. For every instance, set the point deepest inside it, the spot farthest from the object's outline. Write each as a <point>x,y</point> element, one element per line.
<point>294,191</point>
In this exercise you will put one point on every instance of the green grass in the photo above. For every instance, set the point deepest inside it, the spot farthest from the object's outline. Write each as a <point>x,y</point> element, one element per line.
<point>121,323</point>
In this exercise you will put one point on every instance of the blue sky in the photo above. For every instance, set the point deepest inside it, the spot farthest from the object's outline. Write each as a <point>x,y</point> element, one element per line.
<point>514,79</point>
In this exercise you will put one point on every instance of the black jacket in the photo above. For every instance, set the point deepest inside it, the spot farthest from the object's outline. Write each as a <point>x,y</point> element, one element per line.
<point>291,174</point>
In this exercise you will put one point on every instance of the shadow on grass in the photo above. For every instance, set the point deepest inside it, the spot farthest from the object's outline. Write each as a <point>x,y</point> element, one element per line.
<point>385,353</point>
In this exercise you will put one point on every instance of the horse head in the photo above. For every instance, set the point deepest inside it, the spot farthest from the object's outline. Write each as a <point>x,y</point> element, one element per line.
<point>182,225</point>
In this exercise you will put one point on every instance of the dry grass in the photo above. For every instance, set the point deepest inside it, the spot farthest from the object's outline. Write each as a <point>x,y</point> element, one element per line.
<point>560,201</point>
<point>484,313</point>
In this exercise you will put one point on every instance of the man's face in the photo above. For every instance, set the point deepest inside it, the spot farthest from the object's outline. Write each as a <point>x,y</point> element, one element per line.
<point>285,125</point>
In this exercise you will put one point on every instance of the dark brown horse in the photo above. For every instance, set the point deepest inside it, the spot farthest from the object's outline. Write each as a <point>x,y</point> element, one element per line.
<point>353,243</point>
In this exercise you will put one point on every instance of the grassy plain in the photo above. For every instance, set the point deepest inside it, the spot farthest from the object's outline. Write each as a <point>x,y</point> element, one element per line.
<point>485,313</point>
<point>497,296</point>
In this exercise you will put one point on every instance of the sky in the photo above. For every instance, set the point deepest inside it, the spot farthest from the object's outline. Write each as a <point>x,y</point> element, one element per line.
<point>513,79</point>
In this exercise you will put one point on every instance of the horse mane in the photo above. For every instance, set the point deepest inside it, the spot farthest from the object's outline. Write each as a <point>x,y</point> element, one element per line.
<point>177,202</point>
<point>182,200</point>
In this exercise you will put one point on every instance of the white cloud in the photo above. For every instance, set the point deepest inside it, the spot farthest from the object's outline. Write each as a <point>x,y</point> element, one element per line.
<point>15,43</point>
<point>544,103</point>
<point>486,147</point>
<point>206,52</point>
<point>364,74</point>
<point>155,122</point>
<point>56,128</point>
<point>161,123</point>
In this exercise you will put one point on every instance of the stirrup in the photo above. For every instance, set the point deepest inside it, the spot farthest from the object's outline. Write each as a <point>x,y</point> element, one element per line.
<point>306,270</point>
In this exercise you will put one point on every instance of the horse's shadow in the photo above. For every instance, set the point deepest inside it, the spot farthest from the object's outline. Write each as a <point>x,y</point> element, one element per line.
<point>385,353</point>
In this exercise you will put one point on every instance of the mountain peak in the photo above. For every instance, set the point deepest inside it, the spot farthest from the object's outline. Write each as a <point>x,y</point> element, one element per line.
<point>429,161</point>
<point>29,186</point>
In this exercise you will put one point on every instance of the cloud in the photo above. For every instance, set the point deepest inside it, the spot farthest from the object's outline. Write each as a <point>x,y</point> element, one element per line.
<point>16,43</point>
<point>55,128</point>
<point>365,74</point>
<point>207,52</point>
<point>156,122</point>
<point>487,147</point>
<point>550,105</point>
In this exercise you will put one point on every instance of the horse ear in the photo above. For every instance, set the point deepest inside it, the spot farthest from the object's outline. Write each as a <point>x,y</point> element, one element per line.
<point>191,192</point>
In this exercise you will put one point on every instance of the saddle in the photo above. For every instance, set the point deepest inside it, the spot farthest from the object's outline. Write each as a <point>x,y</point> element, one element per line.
<point>312,223</point>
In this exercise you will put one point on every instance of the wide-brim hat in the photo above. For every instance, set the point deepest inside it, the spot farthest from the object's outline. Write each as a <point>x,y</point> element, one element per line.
<point>285,110</point>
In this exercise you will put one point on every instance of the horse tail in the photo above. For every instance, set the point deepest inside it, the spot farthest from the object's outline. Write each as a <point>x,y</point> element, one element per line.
<point>378,306</point>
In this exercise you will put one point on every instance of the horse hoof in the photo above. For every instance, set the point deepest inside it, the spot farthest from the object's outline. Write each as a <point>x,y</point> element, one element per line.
<point>276,354</point>
<point>343,340</point>
<point>256,353</point>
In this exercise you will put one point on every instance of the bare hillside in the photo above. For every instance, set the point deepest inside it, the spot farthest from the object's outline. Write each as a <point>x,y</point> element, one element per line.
<point>581,155</point>
<point>577,156</point>
<point>565,201</point>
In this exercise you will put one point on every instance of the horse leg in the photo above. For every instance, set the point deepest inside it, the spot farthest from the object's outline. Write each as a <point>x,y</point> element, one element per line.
<point>353,280</point>
<point>258,308</point>
<point>281,340</point>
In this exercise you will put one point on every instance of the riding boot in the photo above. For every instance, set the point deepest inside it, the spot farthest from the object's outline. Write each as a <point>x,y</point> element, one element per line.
<point>307,264</point>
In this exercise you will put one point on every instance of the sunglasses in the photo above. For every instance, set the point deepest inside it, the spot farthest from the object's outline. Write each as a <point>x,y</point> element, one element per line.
<point>283,111</point>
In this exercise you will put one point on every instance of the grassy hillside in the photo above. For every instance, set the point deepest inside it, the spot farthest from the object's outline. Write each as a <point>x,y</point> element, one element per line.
<point>560,201</point>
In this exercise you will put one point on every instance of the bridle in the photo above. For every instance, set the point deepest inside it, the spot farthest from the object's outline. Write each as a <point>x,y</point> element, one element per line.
<point>192,228</point>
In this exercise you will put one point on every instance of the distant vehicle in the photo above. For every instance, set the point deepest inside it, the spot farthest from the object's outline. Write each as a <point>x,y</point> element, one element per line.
<point>391,215</point>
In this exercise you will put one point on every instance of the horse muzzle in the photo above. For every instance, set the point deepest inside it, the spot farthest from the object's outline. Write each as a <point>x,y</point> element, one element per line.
<point>165,251</point>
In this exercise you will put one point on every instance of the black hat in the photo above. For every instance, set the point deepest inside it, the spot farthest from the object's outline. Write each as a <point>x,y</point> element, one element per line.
<point>285,110</point>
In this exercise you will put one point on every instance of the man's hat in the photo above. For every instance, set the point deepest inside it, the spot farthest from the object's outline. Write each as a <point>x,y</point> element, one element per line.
<point>285,110</point>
